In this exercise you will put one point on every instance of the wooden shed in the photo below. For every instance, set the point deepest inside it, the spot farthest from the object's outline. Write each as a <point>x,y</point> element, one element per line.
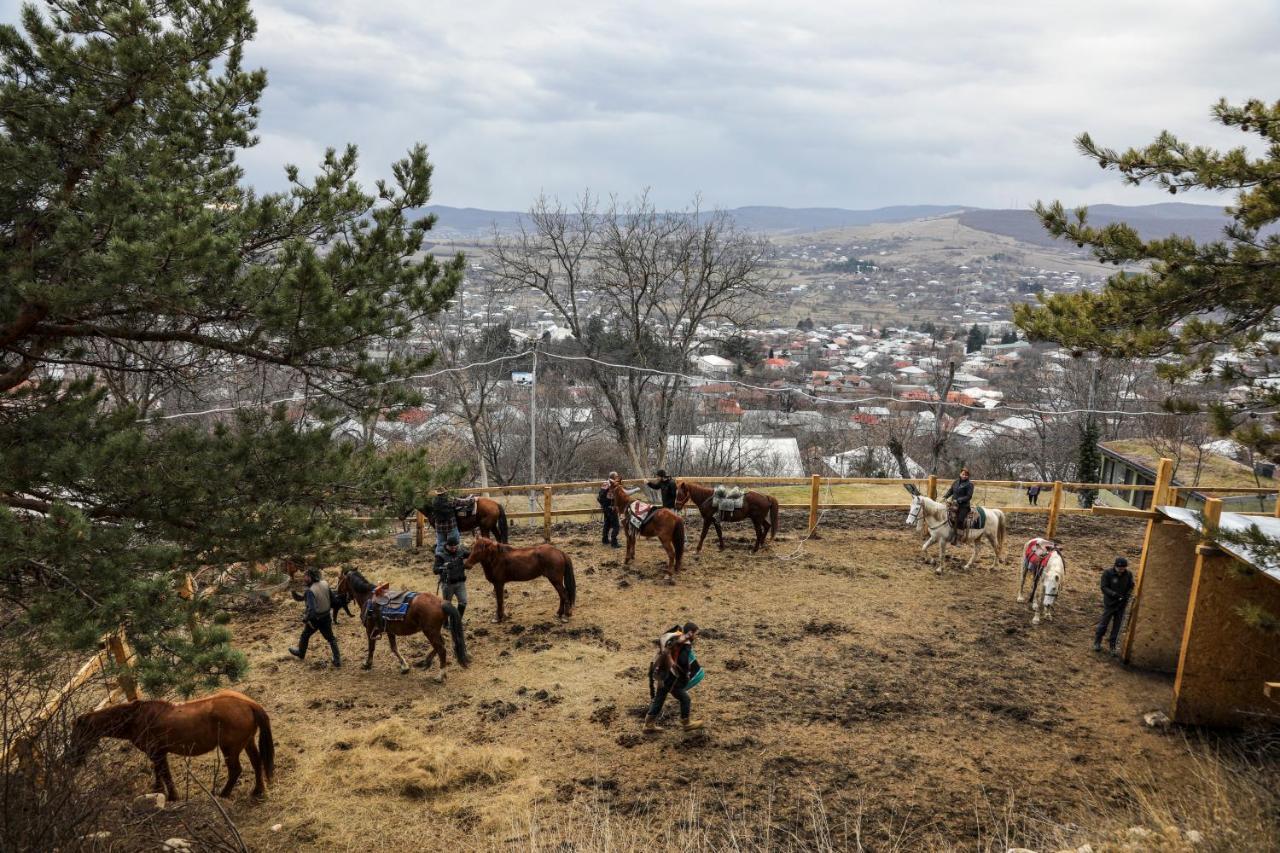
<point>1186,616</point>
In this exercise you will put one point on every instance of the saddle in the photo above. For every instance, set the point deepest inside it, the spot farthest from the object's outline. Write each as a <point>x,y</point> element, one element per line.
<point>976,520</point>
<point>465,507</point>
<point>1037,554</point>
<point>639,513</point>
<point>390,607</point>
<point>727,500</point>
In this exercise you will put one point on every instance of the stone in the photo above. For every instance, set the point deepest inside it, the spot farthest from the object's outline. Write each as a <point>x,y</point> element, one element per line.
<point>1156,720</point>
<point>1194,837</point>
<point>276,827</point>
<point>176,844</point>
<point>1019,850</point>
<point>101,835</point>
<point>1138,833</point>
<point>149,803</point>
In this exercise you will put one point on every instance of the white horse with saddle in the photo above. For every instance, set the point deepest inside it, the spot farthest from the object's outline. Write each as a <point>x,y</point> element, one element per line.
<point>1042,561</point>
<point>934,518</point>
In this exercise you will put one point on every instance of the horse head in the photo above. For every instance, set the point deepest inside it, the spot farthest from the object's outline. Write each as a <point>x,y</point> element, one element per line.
<point>481,548</point>
<point>682,494</point>
<point>913,514</point>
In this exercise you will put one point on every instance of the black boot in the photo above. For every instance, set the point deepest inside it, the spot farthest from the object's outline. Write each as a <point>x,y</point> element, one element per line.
<point>462,609</point>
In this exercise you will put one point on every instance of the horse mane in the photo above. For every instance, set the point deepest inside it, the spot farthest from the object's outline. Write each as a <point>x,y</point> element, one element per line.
<point>358,582</point>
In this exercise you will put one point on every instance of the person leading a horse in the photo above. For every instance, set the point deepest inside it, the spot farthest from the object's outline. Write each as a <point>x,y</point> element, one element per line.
<point>677,669</point>
<point>317,617</point>
<point>612,526</point>
<point>666,487</point>
<point>444,517</point>
<point>452,569</point>
<point>960,493</point>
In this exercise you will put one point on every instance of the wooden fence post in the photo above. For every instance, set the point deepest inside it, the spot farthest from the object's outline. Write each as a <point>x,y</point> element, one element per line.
<point>1055,504</point>
<point>422,528</point>
<point>120,652</point>
<point>546,513</point>
<point>933,487</point>
<point>815,484</point>
<point>1212,515</point>
<point>1164,477</point>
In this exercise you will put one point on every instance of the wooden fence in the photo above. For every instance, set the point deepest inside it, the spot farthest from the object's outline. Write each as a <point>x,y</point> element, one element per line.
<point>1163,493</point>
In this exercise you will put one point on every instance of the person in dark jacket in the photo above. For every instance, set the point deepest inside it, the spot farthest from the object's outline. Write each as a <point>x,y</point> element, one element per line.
<point>676,666</point>
<point>444,517</point>
<point>961,492</point>
<point>452,569</point>
<point>1033,495</point>
<point>666,487</point>
<point>612,527</point>
<point>1117,586</point>
<point>317,617</point>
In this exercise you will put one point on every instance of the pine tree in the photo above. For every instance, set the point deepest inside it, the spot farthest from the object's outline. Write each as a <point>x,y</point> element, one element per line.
<point>130,248</point>
<point>1089,461</point>
<point>1194,299</point>
<point>976,339</point>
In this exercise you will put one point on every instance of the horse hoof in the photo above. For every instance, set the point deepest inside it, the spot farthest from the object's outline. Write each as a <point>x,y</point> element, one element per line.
<point>367,666</point>
<point>404,670</point>
<point>439,677</point>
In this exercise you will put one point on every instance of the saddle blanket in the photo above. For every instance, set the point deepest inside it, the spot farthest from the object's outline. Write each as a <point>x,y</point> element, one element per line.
<point>640,513</point>
<point>391,608</point>
<point>977,519</point>
<point>729,499</point>
<point>1037,554</point>
<point>466,507</point>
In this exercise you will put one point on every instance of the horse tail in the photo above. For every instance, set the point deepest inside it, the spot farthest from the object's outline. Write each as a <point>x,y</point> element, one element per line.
<point>773,517</point>
<point>455,630</point>
<point>266,745</point>
<point>502,524</point>
<point>677,540</point>
<point>570,582</point>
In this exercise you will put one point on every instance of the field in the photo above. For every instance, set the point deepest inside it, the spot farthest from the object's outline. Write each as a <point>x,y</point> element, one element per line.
<point>849,690</point>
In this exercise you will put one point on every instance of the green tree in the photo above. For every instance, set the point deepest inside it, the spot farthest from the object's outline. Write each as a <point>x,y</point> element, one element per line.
<point>976,339</point>
<point>1009,337</point>
<point>1089,461</point>
<point>805,325</point>
<point>129,248</point>
<point>1193,299</point>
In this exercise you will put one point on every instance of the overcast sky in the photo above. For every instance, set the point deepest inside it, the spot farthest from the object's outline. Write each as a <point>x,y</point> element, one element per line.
<point>799,103</point>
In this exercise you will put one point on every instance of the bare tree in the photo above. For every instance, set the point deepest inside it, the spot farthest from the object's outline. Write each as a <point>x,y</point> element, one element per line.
<point>635,286</point>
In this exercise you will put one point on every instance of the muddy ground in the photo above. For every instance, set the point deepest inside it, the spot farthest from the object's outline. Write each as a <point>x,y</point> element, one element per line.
<point>841,667</point>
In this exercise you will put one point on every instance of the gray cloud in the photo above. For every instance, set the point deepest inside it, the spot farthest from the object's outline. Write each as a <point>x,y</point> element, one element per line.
<point>802,104</point>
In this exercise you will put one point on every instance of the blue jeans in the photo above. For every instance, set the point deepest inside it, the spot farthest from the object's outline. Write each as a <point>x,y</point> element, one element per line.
<point>442,538</point>
<point>676,690</point>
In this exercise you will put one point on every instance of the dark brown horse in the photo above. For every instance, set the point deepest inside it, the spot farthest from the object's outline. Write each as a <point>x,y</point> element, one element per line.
<point>226,720</point>
<point>427,613</point>
<point>489,519</point>
<point>504,564</point>
<point>761,510</point>
<point>667,525</point>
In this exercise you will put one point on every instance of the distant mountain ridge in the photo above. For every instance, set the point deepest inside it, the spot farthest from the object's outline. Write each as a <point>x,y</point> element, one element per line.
<point>1200,221</point>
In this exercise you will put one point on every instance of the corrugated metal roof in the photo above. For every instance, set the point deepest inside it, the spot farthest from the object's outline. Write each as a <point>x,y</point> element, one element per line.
<point>1234,522</point>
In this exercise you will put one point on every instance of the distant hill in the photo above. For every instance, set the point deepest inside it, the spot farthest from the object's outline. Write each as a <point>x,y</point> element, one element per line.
<point>1202,222</point>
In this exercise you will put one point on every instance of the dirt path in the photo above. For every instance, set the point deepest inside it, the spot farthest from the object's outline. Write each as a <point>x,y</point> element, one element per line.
<point>849,670</point>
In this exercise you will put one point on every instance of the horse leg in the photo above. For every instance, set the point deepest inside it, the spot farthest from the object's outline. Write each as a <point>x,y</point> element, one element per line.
<point>1035,610</point>
<point>631,544</point>
<point>719,531</point>
<point>395,650</point>
<point>1022,582</point>
<point>158,775</point>
<point>162,769</point>
<point>671,560</point>
<point>497,594</point>
<point>942,553</point>
<point>977,543</point>
<point>255,761</point>
<point>368,660</point>
<point>760,534</point>
<point>232,757</point>
<point>437,648</point>
<point>563,613</point>
<point>706,525</point>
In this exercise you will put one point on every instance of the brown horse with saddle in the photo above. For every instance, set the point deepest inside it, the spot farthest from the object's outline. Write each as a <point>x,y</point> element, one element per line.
<point>403,614</point>
<point>760,509</point>
<point>485,516</point>
<point>227,721</point>
<point>504,564</point>
<point>640,519</point>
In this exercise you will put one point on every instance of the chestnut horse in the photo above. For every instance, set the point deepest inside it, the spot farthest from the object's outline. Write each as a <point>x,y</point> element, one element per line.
<point>226,720</point>
<point>666,524</point>
<point>427,613</point>
<point>761,510</point>
<point>504,564</point>
<point>489,518</point>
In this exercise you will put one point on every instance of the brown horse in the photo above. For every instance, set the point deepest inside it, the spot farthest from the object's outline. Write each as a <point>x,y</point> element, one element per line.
<point>504,564</point>
<point>666,524</point>
<point>761,510</point>
<point>427,613</point>
<point>226,721</point>
<point>489,518</point>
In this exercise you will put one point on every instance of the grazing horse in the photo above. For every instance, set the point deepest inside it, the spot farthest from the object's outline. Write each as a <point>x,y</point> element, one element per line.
<point>225,720</point>
<point>1046,576</point>
<point>666,524</point>
<point>761,510</point>
<point>928,514</point>
<point>504,564</point>
<point>489,519</point>
<point>427,613</point>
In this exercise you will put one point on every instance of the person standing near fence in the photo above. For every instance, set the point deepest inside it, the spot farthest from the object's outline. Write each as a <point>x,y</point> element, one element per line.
<point>1033,494</point>
<point>666,487</point>
<point>1117,586</point>
<point>612,527</point>
<point>317,617</point>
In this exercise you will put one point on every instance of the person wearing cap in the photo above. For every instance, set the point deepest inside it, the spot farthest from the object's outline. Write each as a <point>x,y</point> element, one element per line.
<point>444,517</point>
<point>317,617</point>
<point>666,487</point>
<point>452,570</point>
<point>1117,586</point>
<point>961,492</point>
<point>612,527</point>
<point>677,667</point>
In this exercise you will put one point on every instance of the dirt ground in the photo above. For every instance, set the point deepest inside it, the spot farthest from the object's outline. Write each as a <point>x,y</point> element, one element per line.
<point>840,667</point>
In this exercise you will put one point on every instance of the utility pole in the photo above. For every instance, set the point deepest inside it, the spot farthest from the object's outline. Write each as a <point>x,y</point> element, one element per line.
<point>533,430</point>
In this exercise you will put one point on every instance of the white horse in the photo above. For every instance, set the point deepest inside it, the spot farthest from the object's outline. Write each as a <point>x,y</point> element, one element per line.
<point>1045,584</point>
<point>928,514</point>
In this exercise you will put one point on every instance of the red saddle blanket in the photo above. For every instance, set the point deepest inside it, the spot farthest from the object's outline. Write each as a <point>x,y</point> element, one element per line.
<point>640,509</point>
